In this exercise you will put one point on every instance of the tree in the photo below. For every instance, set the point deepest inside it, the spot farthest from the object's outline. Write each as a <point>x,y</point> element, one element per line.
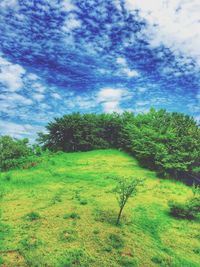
<point>166,142</point>
<point>12,150</point>
<point>126,187</point>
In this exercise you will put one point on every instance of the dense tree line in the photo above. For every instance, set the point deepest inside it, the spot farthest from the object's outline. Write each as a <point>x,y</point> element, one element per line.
<point>166,142</point>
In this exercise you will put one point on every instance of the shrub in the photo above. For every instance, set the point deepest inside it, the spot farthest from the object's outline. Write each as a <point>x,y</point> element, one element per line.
<point>162,260</point>
<point>8,177</point>
<point>116,241</point>
<point>196,250</point>
<point>56,199</point>
<point>32,216</point>
<point>75,257</point>
<point>83,202</point>
<point>105,216</point>
<point>188,210</point>
<point>126,261</point>
<point>68,235</point>
<point>96,231</point>
<point>1,261</point>
<point>13,152</point>
<point>72,215</point>
<point>30,243</point>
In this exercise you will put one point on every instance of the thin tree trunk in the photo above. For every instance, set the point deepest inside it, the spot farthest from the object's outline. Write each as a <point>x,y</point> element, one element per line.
<point>119,215</point>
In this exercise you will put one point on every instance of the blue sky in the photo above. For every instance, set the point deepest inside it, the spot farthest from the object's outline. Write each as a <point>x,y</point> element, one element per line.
<point>61,56</point>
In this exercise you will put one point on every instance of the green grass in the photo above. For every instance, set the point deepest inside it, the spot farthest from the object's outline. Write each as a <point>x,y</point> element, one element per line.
<point>62,212</point>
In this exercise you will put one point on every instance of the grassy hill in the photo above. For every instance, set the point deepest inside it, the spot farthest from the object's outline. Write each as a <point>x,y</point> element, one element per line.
<point>62,212</point>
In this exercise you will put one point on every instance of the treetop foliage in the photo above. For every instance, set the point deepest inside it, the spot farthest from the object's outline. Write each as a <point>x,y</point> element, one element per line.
<point>163,141</point>
<point>166,142</point>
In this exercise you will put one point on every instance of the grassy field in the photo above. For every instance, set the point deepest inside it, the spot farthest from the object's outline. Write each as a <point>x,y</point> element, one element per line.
<point>62,212</point>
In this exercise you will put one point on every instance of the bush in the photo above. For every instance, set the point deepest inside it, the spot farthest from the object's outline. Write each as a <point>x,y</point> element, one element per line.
<point>162,260</point>
<point>83,202</point>
<point>8,177</point>
<point>75,257</point>
<point>1,261</point>
<point>32,216</point>
<point>116,241</point>
<point>180,210</point>
<point>188,210</point>
<point>126,261</point>
<point>72,215</point>
<point>30,243</point>
<point>96,231</point>
<point>14,152</point>
<point>68,235</point>
<point>105,216</point>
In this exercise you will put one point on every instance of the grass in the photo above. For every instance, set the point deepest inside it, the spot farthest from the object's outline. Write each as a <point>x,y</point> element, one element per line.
<point>62,212</point>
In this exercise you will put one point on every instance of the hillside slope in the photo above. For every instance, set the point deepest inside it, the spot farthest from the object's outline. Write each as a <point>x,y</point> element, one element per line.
<point>62,212</point>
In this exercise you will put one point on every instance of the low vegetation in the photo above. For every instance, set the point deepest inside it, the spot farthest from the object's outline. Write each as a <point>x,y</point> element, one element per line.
<point>188,209</point>
<point>63,211</point>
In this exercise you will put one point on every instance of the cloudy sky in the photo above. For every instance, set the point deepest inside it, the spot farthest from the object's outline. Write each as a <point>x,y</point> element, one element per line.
<point>61,56</point>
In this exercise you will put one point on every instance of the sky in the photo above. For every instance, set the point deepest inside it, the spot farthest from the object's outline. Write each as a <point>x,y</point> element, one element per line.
<point>62,56</point>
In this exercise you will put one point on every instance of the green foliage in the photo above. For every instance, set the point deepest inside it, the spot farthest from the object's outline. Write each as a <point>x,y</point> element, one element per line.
<point>187,210</point>
<point>68,235</point>
<point>105,216</point>
<point>163,261</point>
<point>166,142</point>
<point>126,261</point>
<point>72,215</point>
<point>1,261</point>
<point>116,241</point>
<point>196,190</point>
<point>30,243</point>
<point>14,152</point>
<point>126,187</point>
<point>8,177</point>
<point>75,257</point>
<point>56,199</point>
<point>96,231</point>
<point>32,216</point>
<point>83,202</point>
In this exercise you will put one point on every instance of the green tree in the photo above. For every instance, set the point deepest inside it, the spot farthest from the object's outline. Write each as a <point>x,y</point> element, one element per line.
<point>126,187</point>
<point>12,150</point>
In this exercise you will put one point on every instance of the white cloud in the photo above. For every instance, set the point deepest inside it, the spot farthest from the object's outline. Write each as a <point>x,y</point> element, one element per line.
<point>131,73</point>
<point>71,23</point>
<point>38,97</point>
<point>19,130</point>
<point>177,24</point>
<point>125,68</point>
<point>82,102</point>
<point>56,96</point>
<point>8,3</point>
<point>142,103</point>
<point>121,61</point>
<point>14,98</point>
<point>110,99</point>
<point>44,106</point>
<point>67,6</point>
<point>32,77</point>
<point>11,75</point>
<point>38,87</point>
<point>142,90</point>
